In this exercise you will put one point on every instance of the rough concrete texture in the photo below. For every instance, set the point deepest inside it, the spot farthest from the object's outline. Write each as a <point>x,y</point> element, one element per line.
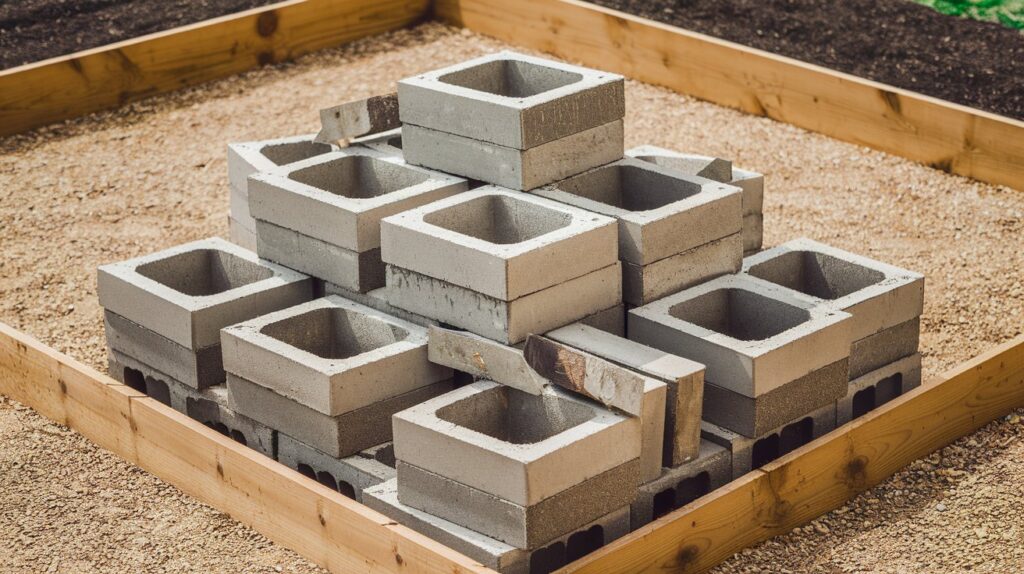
<point>660,212</point>
<point>378,299</point>
<point>753,233</point>
<point>359,271</point>
<point>652,418</point>
<point>754,417</point>
<point>874,389</point>
<point>338,436</point>
<point>509,167</point>
<point>340,197</point>
<point>512,99</point>
<point>241,235</point>
<point>389,142</point>
<point>331,355</point>
<point>238,209</point>
<point>483,358</point>
<point>521,526</point>
<point>514,445</point>
<point>487,551</point>
<point>749,453</point>
<point>248,158</point>
<point>198,369</point>
<point>612,320</point>
<point>752,336</point>
<point>352,474</point>
<point>677,486</point>
<point>507,322</point>
<point>642,284</point>
<point>876,351</point>
<point>189,292</point>
<point>685,380</point>
<point>498,242</point>
<point>878,295</point>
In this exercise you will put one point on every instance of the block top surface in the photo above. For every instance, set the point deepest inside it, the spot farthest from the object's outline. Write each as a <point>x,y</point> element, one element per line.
<point>246,158</point>
<point>713,168</point>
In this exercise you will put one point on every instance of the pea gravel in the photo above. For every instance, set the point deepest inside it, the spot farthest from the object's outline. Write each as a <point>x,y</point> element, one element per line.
<point>121,184</point>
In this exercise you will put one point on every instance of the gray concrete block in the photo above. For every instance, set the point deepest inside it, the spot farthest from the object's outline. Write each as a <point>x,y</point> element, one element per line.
<point>247,158</point>
<point>521,526</point>
<point>238,209</point>
<point>612,320</point>
<point>498,242</point>
<point>750,453</point>
<point>340,197</point>
<point>389,142</point>
<point>337,436</point>
<point>378,299</point>
<point>754,417</point>
<point>874,389</point>
<point>350,475</point>
<point>493,553</point>
<point>520,169</point>
<point>357,271</point>
<point>642,284</point>
<point>685,380</point>
<point>189,292</point>
<point>879,296</point>
<point>241,235</point>
<point>511,99</point>
<point>885,347</point>
<point>660,212</point>
<point>752,336</point>
<point>198,369</point>
<point>505,321</point>
<point>680,485</point>
<point>483,358</point>
<point>514,445</point>
<point>331,355</point>
<point>753,233</point>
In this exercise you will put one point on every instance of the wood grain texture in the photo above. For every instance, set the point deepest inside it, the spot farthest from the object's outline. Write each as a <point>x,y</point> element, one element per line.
<point>70,86</point>
<point>290,509</point>
<point>944,135</point>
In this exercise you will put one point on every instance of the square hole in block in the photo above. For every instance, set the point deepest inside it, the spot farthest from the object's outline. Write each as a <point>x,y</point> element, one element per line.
<point>499,219</point>
<point>740,314</point>
<point>796,435</point>
<point>335,333</point>
<point>511,78</point>
<point>516,417</point>
<point>359,176</point>
<point>817,274</point>
<point>629,187</point>
<point>888,389</point>
<point>291,152</point>
<point>204,272</point>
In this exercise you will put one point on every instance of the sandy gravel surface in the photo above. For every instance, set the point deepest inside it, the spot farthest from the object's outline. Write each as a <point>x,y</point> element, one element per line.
<point>122,184</point>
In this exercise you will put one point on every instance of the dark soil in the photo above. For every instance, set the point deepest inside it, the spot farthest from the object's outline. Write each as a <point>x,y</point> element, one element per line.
<point>979,64</point>
<point>33,30</point>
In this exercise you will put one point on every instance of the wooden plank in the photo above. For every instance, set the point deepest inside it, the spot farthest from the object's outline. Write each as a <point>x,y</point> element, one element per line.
<point>824,474</point>
<point>944,135</point>
<point>70,86</point>
<point>290,509</point>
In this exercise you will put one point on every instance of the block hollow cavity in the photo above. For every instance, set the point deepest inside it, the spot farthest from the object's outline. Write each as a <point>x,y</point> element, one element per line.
<point>630,187</point>
<point>499,219</point>
<point>817,274</point>
<point>203,272</point>
<point>511,78</point>
<point>515,417</point>
<point>359,176</point>
<point>335,332</point>
<point>291,152</point>
<point>740,314</point>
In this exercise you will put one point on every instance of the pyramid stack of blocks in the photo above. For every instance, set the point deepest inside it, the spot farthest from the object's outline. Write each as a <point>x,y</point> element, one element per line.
<point>498,327</point>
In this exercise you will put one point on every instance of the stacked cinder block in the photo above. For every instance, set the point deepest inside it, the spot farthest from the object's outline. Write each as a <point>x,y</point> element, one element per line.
<point>886,304</point>
<point>721,170</point>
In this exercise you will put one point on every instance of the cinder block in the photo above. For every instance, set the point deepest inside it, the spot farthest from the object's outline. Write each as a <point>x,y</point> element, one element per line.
<point>521,526</point>
<point>750,453</point>
<point>189,292</point>
<point>241,235</point>
<point>511,99</point>
<point>499,243</point>
<point>340,197</point>
<point>378,299</point>
<point>642,284</point>
<point>752,337</point>
<point>493,553</point>
<point>874,389</point>
<point>238,209</point>
<point>483,358</point>
<point>680,485</point>
<point>754,417</point>
<point>350,475</point>
<point>753,233</point>
<point>514,445</point>
<point>879,296</point>
<point>331,355</point>
<point>685,380</point>
<point>389,142</point>
<point>884,347</point>
<point>357,271</point>
<point>660,212</point>
<point>198,369</point>
<point>338,436</point>
<point>247,158</point>
<point>505,321</point>
<point>513,168</point>
<point>612,320</point>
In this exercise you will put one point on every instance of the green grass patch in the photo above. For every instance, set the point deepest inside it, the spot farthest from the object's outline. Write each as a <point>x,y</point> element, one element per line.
<point>1009,13</point>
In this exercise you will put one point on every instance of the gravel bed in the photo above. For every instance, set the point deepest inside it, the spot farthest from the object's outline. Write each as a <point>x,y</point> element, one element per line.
<point>124,183</point>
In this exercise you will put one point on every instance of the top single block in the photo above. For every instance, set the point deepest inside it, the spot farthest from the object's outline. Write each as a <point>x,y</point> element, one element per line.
<point>247,158</point>
<point>879,296</point>
<point>512,100</point>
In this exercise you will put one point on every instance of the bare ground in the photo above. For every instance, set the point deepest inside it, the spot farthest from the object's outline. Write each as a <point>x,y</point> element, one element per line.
<point>121,184</point>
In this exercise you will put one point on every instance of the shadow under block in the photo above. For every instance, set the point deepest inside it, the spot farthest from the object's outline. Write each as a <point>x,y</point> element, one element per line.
<point>874,389</point>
